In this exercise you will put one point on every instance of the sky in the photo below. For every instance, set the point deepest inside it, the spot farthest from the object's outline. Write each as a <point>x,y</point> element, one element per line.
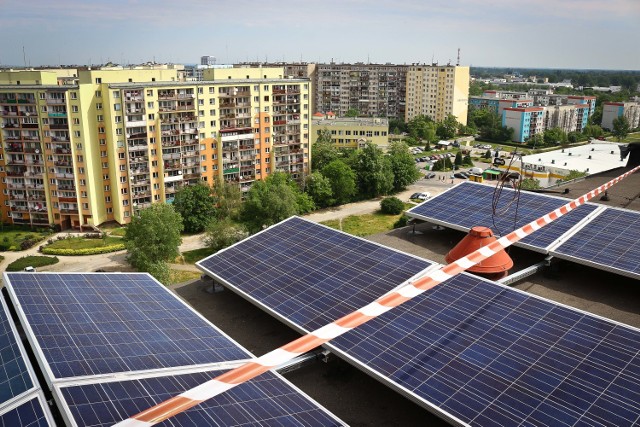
<point>582,34</point>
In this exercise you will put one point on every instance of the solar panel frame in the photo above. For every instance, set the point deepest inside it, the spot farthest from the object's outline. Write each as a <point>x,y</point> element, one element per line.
<point>43,359</point>
<point>336,348</point>
<point>33,404</point>
<point>571,248</point>
<point>271,393</point>
<point>550,235</point>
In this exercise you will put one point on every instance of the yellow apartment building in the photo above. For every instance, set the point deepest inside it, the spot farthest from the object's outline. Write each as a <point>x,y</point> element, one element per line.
<point>352,132</point>
<point>98,147</point>
<point>437,91</point>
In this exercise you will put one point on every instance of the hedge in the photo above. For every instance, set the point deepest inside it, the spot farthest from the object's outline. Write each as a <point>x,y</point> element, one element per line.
<point>87,251</point>
<point>33,261</point>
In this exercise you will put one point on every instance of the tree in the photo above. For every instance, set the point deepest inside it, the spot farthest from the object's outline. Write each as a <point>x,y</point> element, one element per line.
<point>397,126</point>
<point>373,169</point>
<point>222,233</point>
<point>448,128</point>
<point>152,238</point>
<point>323,151</point>
<point>530,184</point>
<point>621,128</point>
<point>402,165</point>
<point>467,160</point>
<point>573,174</point>
<point>319,188</point>
<point>487,154</point>
<point>458,159</point>
<point>391,206</point>
<point>554,135</point>
<point>195,203</point>
<point>422,127</point>
<point>352,112</point>
<point>273,200</point>
<point>342,180</point>
<point>227,198</point>
<point>593,131</point>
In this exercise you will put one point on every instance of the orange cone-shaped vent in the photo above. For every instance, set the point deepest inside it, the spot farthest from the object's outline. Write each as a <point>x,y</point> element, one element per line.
<point>495,267</point>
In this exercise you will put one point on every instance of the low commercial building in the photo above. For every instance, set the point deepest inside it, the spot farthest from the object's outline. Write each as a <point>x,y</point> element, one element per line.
<point>352,132</point>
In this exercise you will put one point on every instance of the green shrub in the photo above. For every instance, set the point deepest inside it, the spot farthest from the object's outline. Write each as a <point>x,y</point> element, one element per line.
<point>401,222</point>
<point>33,261</point>
<point>391,206</point>
<point>85,251</point>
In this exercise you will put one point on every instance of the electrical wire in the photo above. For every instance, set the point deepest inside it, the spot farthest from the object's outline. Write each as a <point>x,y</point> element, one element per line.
<point>499,209</point>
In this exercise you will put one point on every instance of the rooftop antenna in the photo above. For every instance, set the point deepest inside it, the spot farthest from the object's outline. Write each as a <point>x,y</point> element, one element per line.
<point>24,57</point>
<point>458,61</point>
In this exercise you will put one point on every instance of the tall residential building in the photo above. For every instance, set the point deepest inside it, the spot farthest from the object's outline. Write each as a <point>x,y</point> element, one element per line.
<point>437,91</point>
<point>207,60</point>
<point>526,122</point>
<point>613,110</point>
<point>374,90</point>
<point>116,140</point>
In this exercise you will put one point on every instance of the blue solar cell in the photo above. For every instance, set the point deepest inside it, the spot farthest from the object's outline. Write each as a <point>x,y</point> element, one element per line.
<point>481,352</point>
<point>89,324</point>
<point>28,414</point>
<point>610,241</point>
<point>337,272</point>
<point>266,400</point>
<point>470,204</point>
<point>14,375</point>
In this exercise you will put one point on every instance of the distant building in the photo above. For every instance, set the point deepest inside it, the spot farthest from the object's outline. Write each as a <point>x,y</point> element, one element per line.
<point>613,110</point>
<point>207,60</point>
<point>526,122</point>
<point>352,132</point>
<point>437,91</point>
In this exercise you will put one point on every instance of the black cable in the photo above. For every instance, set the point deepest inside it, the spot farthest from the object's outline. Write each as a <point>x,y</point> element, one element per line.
<point>515,179</point>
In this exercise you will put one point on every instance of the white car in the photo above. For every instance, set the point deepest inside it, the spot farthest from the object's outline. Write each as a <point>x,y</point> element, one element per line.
<point>424,196</point>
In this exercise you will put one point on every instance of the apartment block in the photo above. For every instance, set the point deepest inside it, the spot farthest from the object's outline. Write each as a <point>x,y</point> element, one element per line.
<point>375,90</point>
<point>540,98</point>
<point>526,122</point>
<point>613,110</point>
<point>352,133</point>
<point>498,105</point>
<point>109,142</point>
<point>437,91</point>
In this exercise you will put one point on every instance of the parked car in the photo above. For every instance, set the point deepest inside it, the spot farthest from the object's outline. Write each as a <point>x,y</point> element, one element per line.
<point>424,196</point>
<point>415,196</point>
<point>455,144</point>
<point>430,175</point>
<point>460,175</point>
<point>30,269</point>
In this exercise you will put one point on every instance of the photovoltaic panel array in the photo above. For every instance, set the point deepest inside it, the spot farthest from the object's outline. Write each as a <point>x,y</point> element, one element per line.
<point>470,350</point>
<point>29,414</point>
<point>610,241</point>
<point>92,324</point>
<point>470,204</point>
<point>21,400</point>
<point>15,378</point>
<point>113,344</point>
<point>336,272</point>
<point>266,401</point>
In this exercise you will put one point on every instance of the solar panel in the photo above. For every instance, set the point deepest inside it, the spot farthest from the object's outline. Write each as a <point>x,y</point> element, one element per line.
<point>337,273</point>
<point>471,350</point>
<point>267,400</point>
<point>610,241</point>
<point>28,414</point>
<point>469,204</point>
<point>15,378</point>
<point>92,324</point>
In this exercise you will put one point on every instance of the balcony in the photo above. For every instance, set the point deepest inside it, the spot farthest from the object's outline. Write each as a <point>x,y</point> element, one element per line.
<point>57,114</point>
<point>135,123</point>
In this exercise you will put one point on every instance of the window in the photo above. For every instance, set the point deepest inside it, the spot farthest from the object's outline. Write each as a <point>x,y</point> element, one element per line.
<point>107,188</point>
<point>151,116</point>
<point>100,118</point>
<point>107,199</point>
<point>256,99</point>
<point>121,156</point>
<point>73,95</point>
<point>98,94</point>
<point>266,98</point>
<point>256,87</point>
<point>80,158</point>
<point>101,129</point>
<point>116,94</point>
<point>117,106</point>
<point>85,206</point>
<point>212,101</point>
<point>98,80</point>
<point>74,108</point>
<point>118,131</point>
<point>105,165</point>
<point>124,191</point>
<point>212,112</point>
<point>200,90</point>
<point>127,214</point>
<point>98,106</point>
<point>266,109</point>
<point>266,150</point>
<point>76,133</point>
<point>123,168</point>
<point>118,119</point>
<point>267,160</point>
<point>83,182</point>
<point>266,119</point>
<point>125,202</point>
<point>103,142</point>
<point>123,179</point>
<point>155,174</point>
<point>109,210</point>
<point>150,104</point>
<point>266,87</point>
<point>105,177</point>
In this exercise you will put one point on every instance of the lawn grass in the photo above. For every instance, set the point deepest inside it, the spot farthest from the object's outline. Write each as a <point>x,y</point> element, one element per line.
<point>367,224</point>
<point>82,243</point>
<point>118,232</point>
<point>33,261</point>
<point>11,236</point>
<point>191,257</point>
<point>181,276</point>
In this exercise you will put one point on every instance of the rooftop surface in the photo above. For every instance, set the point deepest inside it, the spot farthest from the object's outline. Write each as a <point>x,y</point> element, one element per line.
<point>595,158</point>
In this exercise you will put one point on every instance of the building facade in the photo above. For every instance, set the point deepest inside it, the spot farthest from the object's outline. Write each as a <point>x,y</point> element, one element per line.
<point>115,141</point>
<point>374,90</point>
<point>352,133</point>
<point>437,91</point>
<point>613,110</point>
<point>526,122</point>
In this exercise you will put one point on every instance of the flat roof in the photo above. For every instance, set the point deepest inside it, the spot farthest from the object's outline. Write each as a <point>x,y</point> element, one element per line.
<point>577,158</point>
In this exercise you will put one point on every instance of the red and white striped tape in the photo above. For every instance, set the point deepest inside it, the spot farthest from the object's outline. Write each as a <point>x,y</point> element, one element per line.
<point>252,369</point>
